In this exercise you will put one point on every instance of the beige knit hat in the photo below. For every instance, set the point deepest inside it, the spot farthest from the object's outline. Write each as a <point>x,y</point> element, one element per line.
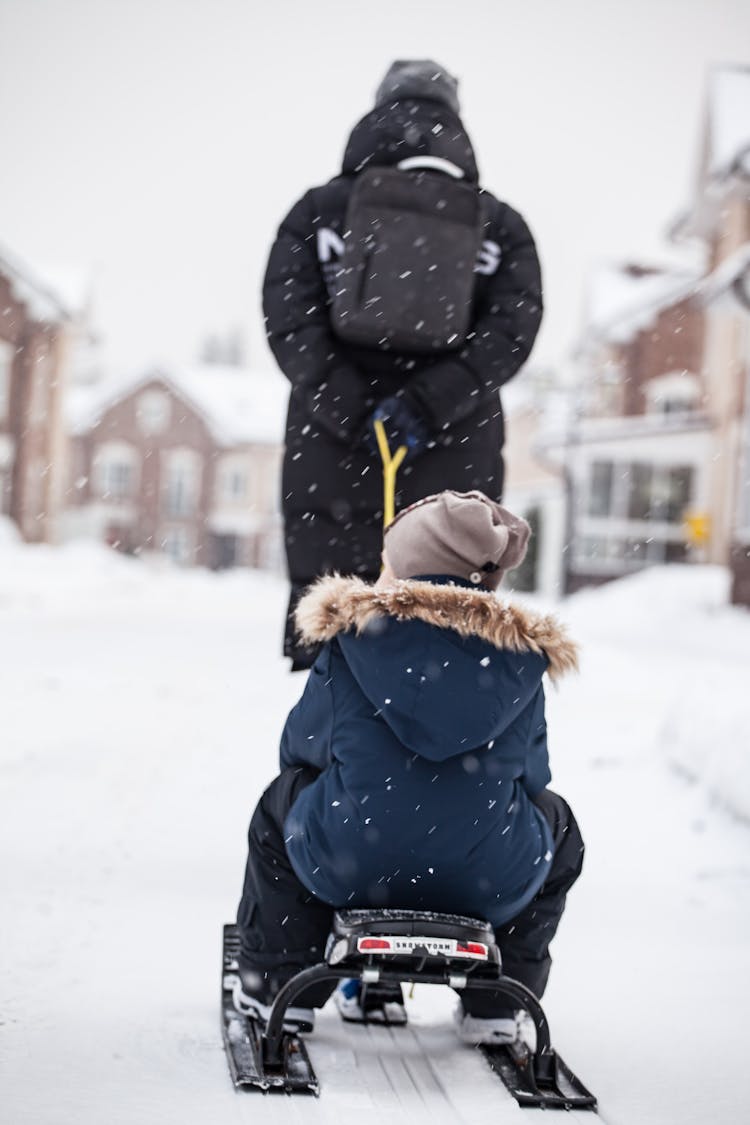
<point>464,534</point>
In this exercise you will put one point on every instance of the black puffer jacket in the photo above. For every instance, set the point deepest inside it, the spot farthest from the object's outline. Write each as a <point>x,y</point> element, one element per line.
<point>332,486</point>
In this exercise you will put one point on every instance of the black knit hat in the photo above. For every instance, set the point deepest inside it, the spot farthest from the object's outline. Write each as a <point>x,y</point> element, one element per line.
<point>418,78</point>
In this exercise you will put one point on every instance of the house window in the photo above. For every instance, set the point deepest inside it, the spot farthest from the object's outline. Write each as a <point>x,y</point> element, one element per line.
<point>177,544</point>
<point>679,492</point>
<point>592,548</point>
<point>641,484</point>
<point>116,470</point>
<point>181,483</point>
<point>233,480</point>
<point>600,488</point>
<point>117,479</point>
<point>675,393</point>
<point>675,552</point>
<point>6,362</point>
<point>636,550</point>
<point>153,412</point>
<point>235,485</point>
<point>659,492</point>
<point>622,498</point>
<point>225,551</point>
<point>675,405</point>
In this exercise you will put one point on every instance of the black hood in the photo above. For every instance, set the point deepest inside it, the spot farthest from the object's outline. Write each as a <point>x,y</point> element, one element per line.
<point>418,127</point>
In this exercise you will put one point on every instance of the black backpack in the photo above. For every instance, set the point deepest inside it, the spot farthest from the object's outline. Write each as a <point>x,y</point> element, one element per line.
<point>405,281</point>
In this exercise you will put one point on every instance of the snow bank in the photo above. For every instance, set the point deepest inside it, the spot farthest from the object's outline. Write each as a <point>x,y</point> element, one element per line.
<point>73,576</point>
<point>677,620</point>
<point>9,533</point>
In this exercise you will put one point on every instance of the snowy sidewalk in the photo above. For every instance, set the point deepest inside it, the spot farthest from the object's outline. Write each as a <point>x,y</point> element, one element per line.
<point>141,716</point>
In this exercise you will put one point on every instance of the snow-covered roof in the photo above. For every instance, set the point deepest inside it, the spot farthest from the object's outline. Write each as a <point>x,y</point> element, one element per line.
<point>239,406</point>
<point>623,299</point>
<point>73,284</point>
<point>730,278</point>
<point>728,120</point>
<point>44,303</point>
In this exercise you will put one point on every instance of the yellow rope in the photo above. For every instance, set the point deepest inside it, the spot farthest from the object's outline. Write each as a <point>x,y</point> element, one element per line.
<point>390,468</point>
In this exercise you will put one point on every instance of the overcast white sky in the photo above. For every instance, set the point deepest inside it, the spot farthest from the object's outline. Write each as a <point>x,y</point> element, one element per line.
<point>161,141</point>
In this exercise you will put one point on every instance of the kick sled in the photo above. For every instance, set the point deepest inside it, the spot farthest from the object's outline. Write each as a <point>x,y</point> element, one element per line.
<point>396,946</point>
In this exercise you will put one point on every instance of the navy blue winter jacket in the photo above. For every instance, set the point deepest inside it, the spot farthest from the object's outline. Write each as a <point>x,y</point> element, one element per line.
<point>425,714</point>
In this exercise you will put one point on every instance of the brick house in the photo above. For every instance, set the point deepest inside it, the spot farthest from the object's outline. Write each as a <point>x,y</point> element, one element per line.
<point>185,462</point>
<point>35,331</point>
<point>654,447</point>
<point>718,221</point>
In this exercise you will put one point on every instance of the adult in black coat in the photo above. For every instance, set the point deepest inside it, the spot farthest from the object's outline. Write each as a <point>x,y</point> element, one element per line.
<point>445,408</point>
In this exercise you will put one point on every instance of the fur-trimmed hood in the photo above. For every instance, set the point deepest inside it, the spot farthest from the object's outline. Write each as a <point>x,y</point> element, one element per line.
<point>336,604</point>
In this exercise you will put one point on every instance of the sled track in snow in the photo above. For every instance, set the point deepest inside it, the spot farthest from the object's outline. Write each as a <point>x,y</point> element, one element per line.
<point>387,1076</point>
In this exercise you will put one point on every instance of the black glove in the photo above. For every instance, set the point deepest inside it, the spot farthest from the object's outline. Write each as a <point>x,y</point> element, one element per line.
<point>403,423</point>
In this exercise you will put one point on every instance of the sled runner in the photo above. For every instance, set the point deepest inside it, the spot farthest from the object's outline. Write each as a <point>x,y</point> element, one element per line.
<point>391,946</point>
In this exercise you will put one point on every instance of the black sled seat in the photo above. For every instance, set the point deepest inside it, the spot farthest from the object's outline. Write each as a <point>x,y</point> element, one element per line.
<point>397,946</point>
<point>411,938</point>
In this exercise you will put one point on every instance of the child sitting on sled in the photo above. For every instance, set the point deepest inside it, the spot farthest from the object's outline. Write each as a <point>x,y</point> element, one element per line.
<point>414,768</point>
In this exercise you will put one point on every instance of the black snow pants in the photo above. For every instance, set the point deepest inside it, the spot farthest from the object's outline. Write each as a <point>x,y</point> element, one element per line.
<point>283,926</point>
<point>524,941</point>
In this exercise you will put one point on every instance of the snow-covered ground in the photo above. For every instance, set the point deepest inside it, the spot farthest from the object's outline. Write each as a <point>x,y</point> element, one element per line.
<point>141,714</point>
